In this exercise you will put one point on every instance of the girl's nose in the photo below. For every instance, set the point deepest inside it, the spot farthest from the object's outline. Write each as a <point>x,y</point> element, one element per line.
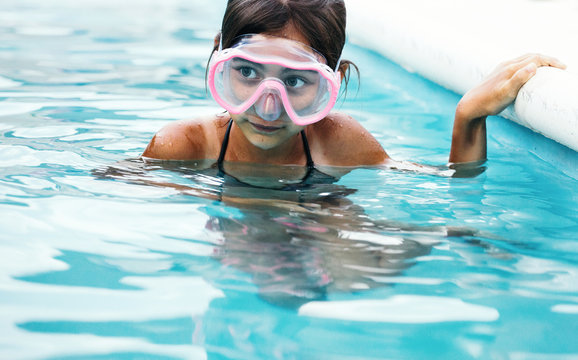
<point>269,106</point>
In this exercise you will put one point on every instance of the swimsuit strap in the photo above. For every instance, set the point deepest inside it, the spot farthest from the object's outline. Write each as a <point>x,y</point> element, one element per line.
<point>310,163</point>
<point>225,144</point>
<point>224,149</point>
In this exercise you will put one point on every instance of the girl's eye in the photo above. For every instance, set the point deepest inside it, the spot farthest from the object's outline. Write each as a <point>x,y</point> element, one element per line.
<point>294,82</point>
<point>248,72</point>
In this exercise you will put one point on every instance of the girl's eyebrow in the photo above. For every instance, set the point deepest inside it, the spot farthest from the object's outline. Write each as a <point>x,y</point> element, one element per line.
<point>240,61</point>
<point>289,70</point>
<point>251,63</point>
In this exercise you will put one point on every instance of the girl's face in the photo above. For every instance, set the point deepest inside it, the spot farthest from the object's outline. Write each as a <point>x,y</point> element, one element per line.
<point>264,133</point>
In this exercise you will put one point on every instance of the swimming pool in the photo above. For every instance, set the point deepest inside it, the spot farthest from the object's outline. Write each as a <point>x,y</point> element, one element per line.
<point>104,263</point>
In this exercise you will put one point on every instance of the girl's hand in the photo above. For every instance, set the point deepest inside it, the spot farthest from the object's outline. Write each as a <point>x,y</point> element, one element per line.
<point>501,87</point>
<point>490,97</point>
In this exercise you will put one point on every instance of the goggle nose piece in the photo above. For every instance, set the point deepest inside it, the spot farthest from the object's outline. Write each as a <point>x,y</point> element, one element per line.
<point>269,106</point>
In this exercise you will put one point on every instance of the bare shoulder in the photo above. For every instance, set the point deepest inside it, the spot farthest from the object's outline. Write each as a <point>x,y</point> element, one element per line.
<point>340,140</point>
<point>192,139</point>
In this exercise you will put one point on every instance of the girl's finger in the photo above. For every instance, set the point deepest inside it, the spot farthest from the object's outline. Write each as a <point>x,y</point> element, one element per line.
<point>521,77</point>
<point>539,60</point>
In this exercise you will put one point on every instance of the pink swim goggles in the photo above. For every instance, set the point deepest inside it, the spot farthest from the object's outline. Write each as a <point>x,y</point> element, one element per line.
<point>272,74</point>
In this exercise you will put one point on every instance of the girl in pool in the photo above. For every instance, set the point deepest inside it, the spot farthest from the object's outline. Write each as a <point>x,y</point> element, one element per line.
<point>276,70</point>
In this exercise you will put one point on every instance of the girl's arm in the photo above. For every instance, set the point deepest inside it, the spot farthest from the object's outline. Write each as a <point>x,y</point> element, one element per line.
<point>489,98</point>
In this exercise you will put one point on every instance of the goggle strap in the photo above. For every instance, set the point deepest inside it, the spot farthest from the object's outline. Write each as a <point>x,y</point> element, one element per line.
<point>338,63</point>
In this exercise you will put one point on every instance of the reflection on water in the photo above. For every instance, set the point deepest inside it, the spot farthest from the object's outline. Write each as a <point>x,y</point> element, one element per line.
<point>298,244</point>
<point>297,257</point>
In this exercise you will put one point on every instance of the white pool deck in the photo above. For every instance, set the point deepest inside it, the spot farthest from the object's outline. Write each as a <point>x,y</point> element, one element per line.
<point>456,43</point>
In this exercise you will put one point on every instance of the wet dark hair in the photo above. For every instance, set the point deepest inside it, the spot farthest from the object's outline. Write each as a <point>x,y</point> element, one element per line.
<point>322,23</point>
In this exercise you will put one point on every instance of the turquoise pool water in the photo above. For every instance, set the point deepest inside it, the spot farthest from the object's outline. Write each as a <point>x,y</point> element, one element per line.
<point>100,261</point>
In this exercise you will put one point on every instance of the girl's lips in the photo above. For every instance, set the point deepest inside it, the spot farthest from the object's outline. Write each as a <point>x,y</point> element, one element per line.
<point>265,128</point>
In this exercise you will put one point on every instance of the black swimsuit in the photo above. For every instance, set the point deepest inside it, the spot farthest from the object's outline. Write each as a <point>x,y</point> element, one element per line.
<point>311,171</point>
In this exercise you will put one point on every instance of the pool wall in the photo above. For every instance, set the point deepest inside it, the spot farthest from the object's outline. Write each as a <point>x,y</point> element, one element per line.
<point>456,43</point>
